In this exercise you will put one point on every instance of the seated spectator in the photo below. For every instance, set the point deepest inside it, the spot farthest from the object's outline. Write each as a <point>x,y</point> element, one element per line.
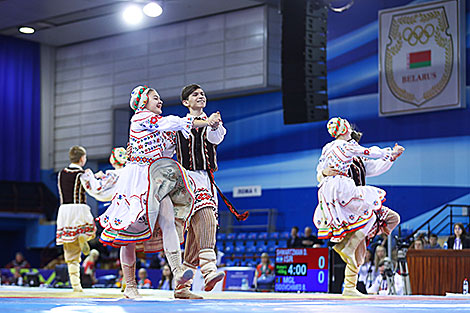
<point>294,241</point>
<point>17,279</point>
<point>367,274</point>
<point>418,244</point>
<point>57,261</point>
<point>144,282</point>
<point>90,265</point>
<point>459,240</point>
<point>19,262</point>
<point>264,274</point>
<point>423,238</point>
<point>380,254</point>
<point>166,283</point>
<point>433,244</point>
<point>380,285</point>
<point>309,240</point>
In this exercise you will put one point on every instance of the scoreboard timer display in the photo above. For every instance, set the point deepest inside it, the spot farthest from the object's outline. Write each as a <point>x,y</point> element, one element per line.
<point>301,269</point>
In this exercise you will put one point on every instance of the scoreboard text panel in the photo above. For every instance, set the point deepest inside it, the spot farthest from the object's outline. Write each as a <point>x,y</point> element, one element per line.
<point>301,269</point>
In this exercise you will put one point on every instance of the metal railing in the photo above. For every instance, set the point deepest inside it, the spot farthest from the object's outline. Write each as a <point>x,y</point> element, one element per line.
<point>446,221</point>
<point>229,224</point>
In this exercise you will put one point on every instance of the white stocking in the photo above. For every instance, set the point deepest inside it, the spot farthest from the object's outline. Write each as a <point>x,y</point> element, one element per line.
<point>166,220</point>
<point>128,254</point>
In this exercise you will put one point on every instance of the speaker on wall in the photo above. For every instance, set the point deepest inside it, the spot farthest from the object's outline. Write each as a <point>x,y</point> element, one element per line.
<point>303,55</point>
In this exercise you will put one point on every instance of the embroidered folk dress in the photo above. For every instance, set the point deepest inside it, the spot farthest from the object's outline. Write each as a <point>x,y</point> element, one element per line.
<point>101,188</point>
<point>343,206</point>
<point>128,219</point>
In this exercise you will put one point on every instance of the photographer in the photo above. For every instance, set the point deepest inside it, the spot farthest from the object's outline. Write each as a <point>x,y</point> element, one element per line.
<point>388,279</point>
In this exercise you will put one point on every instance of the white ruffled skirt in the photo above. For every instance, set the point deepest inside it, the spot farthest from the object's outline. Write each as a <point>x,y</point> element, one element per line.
<point>344,207</point>
<point>132,218</point>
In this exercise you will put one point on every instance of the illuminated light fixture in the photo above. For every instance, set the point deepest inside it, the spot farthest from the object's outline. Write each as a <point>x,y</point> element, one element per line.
<point>152,9</point>
<point>26,30</point>
<point>132,14</point>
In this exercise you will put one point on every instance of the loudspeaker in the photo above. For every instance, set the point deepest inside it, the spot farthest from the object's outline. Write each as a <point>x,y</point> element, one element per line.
<point>303,54</point>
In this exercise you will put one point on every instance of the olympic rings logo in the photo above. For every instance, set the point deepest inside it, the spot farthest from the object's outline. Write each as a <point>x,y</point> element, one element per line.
<point>418,34</point>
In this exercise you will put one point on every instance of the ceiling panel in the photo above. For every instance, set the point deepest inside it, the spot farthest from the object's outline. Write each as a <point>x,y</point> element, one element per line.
<point>64,22</point>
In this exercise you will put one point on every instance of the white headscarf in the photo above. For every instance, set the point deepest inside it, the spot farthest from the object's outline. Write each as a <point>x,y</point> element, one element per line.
<point>118,156</point>
<point>338,126</point>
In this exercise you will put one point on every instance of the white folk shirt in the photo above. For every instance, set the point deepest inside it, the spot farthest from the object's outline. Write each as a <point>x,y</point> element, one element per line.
<point>339,155</point>
<point>153,136</point>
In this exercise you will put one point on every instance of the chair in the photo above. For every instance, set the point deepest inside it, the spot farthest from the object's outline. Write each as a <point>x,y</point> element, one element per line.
<point>229,247</point>
<point>221,236</point>
<point>261,248</point>
<point>250,246</point>
<point>285,235</point>
<point>231,236</point>
<point>263,235</point>
<point>241,236</point>
<point>230,263</point>
<point>271,246</point>
<point>239,249</point>
<point>252,236</point>
<point>273,235</point>
<point>272,243</point>
<point>282,244</point>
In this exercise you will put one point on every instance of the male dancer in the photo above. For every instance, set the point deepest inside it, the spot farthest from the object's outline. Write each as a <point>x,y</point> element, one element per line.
<point>75,224</point>
<point>198,155</point>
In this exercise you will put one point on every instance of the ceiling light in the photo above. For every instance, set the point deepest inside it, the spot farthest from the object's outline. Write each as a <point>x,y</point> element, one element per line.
<point>26,30</point>
<point>132,14</point>
<point>152,9</point>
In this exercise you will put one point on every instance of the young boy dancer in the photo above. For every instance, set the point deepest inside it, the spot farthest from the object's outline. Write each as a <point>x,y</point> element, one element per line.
<point>345,214</point>
<point>142,201</point>
<point>75,224</point>
<point>198,155</point>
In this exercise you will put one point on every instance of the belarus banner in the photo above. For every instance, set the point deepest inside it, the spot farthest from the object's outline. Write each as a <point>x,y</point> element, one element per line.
<point>422,60</point>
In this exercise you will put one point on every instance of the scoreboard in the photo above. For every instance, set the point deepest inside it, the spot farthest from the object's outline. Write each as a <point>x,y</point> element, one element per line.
<point>301,269</point>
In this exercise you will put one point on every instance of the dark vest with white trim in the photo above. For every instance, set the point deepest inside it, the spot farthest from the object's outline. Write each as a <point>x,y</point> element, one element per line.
<point>357,171</point>
<point>196,152</point>
<point>70,187</point>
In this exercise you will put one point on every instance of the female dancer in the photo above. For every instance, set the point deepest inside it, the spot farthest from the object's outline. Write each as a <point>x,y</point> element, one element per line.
<point>360,169</point>
<point>135,212</point>
<point>102,186</point>
<point>345,213</point>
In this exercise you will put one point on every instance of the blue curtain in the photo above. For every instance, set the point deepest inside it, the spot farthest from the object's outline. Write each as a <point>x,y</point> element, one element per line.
<point>20,110</point>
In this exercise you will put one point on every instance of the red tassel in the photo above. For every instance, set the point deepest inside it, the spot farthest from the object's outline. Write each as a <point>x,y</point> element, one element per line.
<point>238,216</point>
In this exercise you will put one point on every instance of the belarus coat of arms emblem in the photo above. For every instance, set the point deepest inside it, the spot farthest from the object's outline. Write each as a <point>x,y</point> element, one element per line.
<point>419,56</point>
